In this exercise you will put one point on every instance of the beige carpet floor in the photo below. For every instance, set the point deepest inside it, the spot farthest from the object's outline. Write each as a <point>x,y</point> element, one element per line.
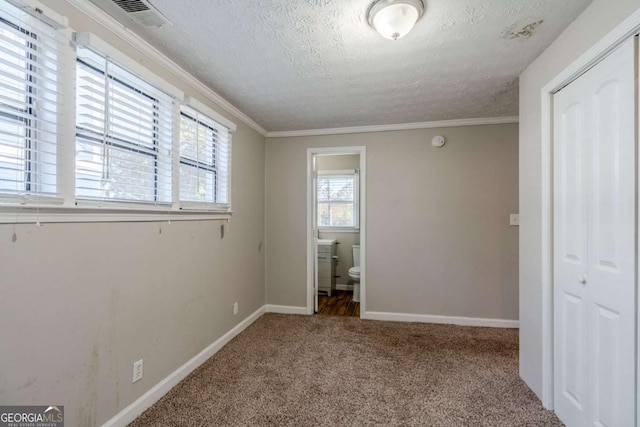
<point>287,370</point>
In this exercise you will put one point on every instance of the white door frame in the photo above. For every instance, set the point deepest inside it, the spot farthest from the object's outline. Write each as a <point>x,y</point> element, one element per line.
<point>628,28</point>
<point>362,152</point>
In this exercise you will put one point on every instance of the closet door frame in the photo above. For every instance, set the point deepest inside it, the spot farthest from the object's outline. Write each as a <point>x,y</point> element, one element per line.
<point>627,29</point>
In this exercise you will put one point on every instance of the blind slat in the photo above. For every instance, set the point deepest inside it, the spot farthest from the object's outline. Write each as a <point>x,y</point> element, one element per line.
<point>46,64</point>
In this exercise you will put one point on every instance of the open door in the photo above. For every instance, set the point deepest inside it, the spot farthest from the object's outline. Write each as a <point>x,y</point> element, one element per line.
<point>314,199</point>
<point>322,275</point>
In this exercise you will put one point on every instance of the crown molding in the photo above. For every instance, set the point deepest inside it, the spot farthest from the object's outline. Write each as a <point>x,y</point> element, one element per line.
<point>393,127</point>
<point>139,43</point>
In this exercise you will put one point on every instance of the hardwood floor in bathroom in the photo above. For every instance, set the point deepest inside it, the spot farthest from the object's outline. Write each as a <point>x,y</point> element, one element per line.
<point>338,304</point>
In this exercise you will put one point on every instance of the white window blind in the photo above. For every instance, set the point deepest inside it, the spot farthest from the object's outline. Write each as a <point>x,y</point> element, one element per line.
<point>123,134</point>
<point>205,150</point>
<point>30,102</point>
<point>337,199</point>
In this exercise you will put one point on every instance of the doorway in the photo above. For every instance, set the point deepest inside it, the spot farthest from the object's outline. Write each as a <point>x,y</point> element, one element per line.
<point>336,231</point>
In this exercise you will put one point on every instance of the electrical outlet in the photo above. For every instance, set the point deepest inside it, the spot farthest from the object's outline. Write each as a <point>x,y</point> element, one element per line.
<point>235,308</point>
<point>514,219</point>
<point>137,370</point>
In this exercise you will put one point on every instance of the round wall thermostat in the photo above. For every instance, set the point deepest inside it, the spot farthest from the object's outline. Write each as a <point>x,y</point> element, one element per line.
<point>437,141</point>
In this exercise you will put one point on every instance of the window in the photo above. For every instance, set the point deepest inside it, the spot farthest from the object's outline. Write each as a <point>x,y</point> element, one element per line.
<point>337,199</point>
<point>29,105</point>
<point>130,141</point>
<point>123,134</point>
<point>204,159</point>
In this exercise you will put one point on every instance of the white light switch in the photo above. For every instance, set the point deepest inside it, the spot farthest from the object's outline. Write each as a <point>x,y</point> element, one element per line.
<point>514,219</point>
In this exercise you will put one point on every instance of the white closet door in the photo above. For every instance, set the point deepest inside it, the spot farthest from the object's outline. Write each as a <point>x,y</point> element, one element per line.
<point>570,253</point>
<point>611,274</point>
<point>594,244</point>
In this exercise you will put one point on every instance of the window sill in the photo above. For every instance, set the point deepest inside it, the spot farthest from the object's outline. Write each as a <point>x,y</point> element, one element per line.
<point>77,214</point>
<point>339,230</point>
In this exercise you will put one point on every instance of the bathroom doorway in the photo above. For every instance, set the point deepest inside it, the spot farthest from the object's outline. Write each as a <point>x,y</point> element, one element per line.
<point>336,225</point>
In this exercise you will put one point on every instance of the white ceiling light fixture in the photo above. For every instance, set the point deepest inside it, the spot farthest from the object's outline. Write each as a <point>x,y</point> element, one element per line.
<point>393,19</point>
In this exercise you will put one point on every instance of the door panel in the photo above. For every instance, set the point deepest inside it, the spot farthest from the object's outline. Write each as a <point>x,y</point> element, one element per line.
<point>611,242</point>
<point>572,188</point>
<point>572,343</point>
<point>606,336</point>
<point>570,254</point>
<point>594,244</point>
<point>606,180</point>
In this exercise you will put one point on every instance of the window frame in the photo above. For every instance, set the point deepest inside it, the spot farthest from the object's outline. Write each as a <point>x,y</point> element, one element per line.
<point>40,178</point>
<point>220,124</point>
<point>29,114</point>
<point>355,173</point>
<point>113,142</point>
<point>196,163</point>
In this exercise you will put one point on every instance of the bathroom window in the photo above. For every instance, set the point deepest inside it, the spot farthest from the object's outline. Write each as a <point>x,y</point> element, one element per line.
<point>337,199</point>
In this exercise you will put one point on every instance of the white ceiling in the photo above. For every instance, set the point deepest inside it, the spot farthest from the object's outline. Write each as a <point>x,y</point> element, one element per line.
<point>313,64</point>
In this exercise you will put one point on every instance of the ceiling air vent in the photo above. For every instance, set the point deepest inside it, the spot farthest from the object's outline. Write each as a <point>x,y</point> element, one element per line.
<point>143,12</point>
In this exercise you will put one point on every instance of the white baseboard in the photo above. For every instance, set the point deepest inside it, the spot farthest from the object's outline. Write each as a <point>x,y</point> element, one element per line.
<point>342,287</point>
<point>144,402</point>
<point>449,320</point>
<point>285,309</point>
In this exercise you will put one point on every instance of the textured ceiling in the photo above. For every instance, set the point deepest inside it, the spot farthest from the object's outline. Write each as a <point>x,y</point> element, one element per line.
<point>312,64</point>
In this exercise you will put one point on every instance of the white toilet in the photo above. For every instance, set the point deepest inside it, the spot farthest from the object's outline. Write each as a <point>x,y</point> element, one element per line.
<point>354,273</point>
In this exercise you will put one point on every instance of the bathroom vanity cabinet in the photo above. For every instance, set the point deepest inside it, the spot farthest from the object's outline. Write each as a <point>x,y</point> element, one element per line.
<point>327,260</point>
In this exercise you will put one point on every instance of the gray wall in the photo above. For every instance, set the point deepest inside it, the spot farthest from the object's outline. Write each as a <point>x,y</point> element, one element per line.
<point>79,303</point>
<point>592,25</point>
<point>346,239</point>
<point>439,240</point>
